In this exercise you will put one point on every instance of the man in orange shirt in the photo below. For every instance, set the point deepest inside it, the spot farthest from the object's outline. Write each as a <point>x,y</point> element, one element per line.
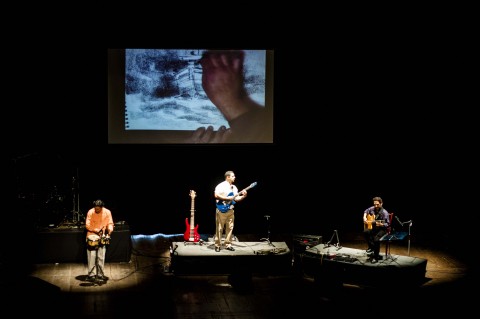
<point>99,225</point>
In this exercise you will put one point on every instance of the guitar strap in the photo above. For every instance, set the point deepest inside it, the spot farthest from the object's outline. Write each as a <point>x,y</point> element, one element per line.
<point>378,214</point>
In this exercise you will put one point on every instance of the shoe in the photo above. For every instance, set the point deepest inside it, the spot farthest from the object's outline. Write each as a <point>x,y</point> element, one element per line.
<point>369,250</point>
<point>230,248</point>
<point>102,278</point>
<point>217,249</point>
<point>374,261</point>
<point>91,278</point>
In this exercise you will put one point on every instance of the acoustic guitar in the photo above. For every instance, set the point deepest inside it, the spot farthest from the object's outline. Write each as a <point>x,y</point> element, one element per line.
<point>368,224</point>
<point>191,233</point>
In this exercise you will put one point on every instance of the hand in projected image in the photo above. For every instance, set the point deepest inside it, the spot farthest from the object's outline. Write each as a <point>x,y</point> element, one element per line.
<point>208,135</point>
<point>223,82</point>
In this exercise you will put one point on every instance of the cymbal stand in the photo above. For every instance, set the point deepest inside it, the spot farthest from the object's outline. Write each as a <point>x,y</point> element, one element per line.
<point>267,239</point>
<point>77,217</point>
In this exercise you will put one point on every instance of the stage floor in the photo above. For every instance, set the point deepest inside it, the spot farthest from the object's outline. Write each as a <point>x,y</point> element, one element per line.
<point>354,266</point>
<point>248,257</point>
<point>241,249</point>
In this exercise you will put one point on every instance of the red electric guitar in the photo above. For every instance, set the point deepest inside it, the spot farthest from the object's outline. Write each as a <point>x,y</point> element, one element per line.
<point>191,233</point>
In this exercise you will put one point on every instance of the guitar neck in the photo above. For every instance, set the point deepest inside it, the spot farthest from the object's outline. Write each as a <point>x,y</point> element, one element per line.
<point>192,214</point>
<point>244,190</point>
<point>225,205</point>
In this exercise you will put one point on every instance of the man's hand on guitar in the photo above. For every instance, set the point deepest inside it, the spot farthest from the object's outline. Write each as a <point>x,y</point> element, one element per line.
<point>240,196</point>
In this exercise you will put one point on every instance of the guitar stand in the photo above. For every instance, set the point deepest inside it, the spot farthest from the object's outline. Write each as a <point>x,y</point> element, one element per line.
<point>268,232</point>
<point>329,243</point>
<point>186,242</point>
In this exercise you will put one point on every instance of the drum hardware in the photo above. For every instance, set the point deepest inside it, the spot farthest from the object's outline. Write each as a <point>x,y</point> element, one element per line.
<point>105,240</point>
<point>77,217</point>
<point>94,242</point>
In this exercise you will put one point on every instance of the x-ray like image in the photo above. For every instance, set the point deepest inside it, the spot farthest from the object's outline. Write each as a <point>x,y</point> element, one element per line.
<point>163,89</point>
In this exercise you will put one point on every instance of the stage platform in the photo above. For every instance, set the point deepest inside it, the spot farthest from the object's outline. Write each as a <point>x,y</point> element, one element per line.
<point>337,264</point>
<point>66,244</point>
<point>249,258</point>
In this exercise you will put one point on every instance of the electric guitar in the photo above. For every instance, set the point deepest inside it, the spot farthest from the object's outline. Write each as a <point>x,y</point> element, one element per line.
<point>191,233</point>
<point>224,205</point>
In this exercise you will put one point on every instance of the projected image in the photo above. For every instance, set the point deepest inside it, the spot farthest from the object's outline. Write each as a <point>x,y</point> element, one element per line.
<point>163,89</point>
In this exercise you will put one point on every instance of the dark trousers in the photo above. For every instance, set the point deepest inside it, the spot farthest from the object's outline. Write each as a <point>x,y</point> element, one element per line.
<point>379,233</point>
<point>373,239</point>
<point>367,233</point>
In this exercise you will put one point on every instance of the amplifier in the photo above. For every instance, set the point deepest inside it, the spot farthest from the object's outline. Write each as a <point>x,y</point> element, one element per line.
<point>302,242</point>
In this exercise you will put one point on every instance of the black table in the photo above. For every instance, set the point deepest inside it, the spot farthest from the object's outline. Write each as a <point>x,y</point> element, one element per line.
<point>68,245</point>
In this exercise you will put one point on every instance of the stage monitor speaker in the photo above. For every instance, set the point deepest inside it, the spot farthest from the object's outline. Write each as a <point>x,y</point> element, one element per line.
<point>303,242</point>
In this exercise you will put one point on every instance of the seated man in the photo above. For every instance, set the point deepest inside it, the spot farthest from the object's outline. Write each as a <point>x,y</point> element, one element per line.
<point>376,220</point>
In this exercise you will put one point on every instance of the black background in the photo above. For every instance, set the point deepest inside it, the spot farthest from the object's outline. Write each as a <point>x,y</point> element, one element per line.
<point>359,112</point>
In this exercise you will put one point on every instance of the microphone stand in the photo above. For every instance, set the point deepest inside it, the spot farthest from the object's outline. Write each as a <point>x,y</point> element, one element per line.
<point>410,222</point>
<point>268,232</point>
<point>409,226</point>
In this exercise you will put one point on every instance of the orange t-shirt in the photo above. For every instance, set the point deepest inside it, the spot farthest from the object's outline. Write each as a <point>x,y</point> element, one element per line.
<point>96,222</point>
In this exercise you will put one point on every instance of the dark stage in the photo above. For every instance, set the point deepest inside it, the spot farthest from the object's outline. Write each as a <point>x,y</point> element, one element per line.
<point>381,115</point>
<point>157,281</point>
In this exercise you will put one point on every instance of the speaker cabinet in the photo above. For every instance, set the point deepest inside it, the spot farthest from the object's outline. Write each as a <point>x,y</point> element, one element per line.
<point>302,242</point>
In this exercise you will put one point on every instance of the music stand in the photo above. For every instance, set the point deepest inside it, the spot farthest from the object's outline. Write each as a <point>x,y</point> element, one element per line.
<point>395,236</point>
<point>388,238</point>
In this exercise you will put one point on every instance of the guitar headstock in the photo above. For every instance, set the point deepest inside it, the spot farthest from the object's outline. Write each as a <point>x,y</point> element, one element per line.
<point>192,194</point>
<point>253,185</point>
